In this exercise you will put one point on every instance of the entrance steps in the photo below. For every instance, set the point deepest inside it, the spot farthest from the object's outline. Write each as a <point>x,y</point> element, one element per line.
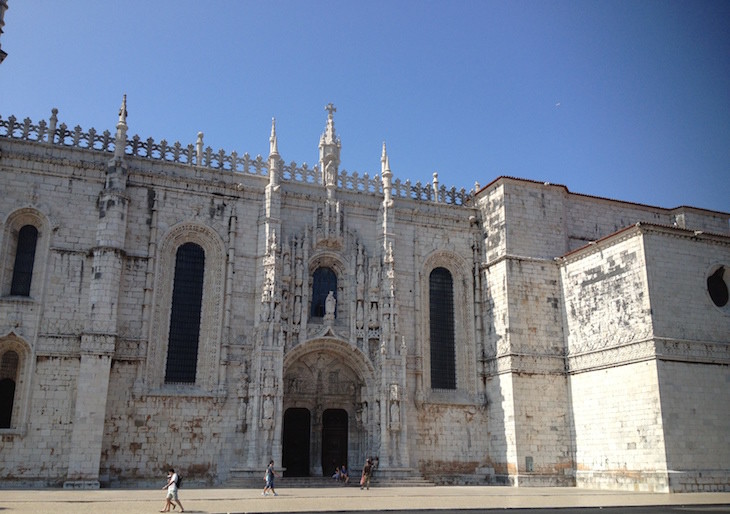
<point>399,477</point>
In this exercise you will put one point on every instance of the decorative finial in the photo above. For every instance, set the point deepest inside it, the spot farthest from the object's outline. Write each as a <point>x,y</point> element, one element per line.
<point>273,144</point>
<point>123,110</point>
<point>384,155</point>
<point>330,109</point>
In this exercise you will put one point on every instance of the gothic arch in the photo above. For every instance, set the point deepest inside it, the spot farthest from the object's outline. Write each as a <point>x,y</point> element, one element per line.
<point>327,374</point>
<point>13,223</point>
<point>465,347</point>
<point>12,343</point>
<point>211,317</point>
<point>349,355</point>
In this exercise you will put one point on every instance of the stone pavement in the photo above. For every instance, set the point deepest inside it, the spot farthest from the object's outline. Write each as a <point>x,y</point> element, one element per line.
<point>341,499</point>
<point>335,499</point>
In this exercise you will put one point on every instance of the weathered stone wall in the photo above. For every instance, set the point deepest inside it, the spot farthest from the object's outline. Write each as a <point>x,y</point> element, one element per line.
<point>617,419</point>
<point>695,413</point>
<point>606,298</point>
<point>39,453</point>
<point>691,337</point>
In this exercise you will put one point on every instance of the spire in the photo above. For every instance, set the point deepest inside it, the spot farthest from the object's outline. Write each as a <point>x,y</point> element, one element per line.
<point>274,159</point>
<point>273,145</point>
<point>386,174</point>
<point>329,133</point>
<point>120,140</point>
<point>329,153</point>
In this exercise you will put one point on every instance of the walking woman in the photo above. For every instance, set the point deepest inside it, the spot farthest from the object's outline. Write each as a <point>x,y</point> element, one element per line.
<point>269,476</point>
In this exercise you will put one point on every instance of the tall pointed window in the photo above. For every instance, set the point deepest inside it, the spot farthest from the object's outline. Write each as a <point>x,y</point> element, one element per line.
<point>8,379</point>
<point>324,280</point>
<point>187,299</point>
<point>443,357</point>
<point>24,258</point>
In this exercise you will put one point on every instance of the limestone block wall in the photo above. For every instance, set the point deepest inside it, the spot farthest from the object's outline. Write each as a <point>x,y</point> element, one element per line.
<point>606,299</point>
<point>501,435</point>
<point>696,417</point>
<point>614,387</point>
<point>692,338</point>
<point>678,266</point>
<point>449,439</point>
<point>536,357</point>
<point>536,221</point>
<point>490,203</point>
<point>144,435</point>
<point>40,455</point>
<point>619,435</point>
<point>544,452</point>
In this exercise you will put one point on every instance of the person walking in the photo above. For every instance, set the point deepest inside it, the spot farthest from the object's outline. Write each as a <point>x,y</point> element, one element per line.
<point>269,476</point>
<point>171,486</point>
<point>367,472</point>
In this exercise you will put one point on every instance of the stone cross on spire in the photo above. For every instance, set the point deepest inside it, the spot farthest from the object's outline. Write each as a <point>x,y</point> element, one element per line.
<point>329,153</point>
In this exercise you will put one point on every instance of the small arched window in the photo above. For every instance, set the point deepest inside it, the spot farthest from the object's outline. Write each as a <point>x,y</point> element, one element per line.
<point>441,310</point>
<point>24,258</point>
<point>324,280</point>
<point>8,379</point>
<point>187,300</point>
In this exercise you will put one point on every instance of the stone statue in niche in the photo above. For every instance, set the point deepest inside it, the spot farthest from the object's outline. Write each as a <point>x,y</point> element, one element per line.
<point>373,321</point>
<point>329,306</point>
<point>374,278</point>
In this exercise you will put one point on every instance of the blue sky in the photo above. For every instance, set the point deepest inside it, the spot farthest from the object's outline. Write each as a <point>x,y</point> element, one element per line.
<point>622,99</point>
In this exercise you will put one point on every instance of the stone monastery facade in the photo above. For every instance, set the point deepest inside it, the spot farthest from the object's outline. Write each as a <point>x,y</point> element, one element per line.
<point>171,305</point>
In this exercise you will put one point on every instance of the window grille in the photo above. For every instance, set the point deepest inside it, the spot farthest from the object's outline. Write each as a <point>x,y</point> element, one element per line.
<point>187,298</point>
<point>324,280</point>
<point>443,358</point>
<point>8,376</point>
<point>24,257</point>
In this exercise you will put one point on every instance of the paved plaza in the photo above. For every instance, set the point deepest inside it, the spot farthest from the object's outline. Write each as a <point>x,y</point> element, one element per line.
<point>339,499</point>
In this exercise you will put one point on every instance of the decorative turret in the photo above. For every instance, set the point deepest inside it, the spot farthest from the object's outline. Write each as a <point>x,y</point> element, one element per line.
<point>329,153</point>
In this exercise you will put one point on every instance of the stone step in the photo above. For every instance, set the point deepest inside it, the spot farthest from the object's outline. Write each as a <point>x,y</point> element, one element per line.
<point>323,482</point>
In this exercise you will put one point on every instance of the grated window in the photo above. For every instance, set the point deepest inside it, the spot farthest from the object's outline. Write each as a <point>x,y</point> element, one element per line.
<point>24,257</point>
<point>187,298</point>
<point>443,358</point>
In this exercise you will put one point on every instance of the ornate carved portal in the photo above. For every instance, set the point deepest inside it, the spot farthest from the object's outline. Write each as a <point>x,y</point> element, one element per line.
<point>326,392</point>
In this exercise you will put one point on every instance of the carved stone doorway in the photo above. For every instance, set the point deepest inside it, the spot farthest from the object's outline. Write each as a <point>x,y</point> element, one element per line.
<point>334,440</point>
<point>295,442</point>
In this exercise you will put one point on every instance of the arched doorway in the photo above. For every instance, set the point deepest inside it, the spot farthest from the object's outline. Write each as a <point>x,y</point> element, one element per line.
<point>295,441</point>
<point>331,380</point>
<point>334,440</point>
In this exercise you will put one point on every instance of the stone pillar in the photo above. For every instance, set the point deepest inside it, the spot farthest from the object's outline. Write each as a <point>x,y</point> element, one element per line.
<point>99,339</point>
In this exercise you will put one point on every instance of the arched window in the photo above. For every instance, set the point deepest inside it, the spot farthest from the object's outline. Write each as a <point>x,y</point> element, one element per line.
<point>24,258</point>
<point>187,298</point>
<point>8,379</point>
<point>324,280</point>
<point>443,357</point>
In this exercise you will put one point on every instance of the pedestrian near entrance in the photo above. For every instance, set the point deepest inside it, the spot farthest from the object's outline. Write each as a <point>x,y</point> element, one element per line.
<point>269,477</point>
<point>171,486</point>
<point>367,472</point>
